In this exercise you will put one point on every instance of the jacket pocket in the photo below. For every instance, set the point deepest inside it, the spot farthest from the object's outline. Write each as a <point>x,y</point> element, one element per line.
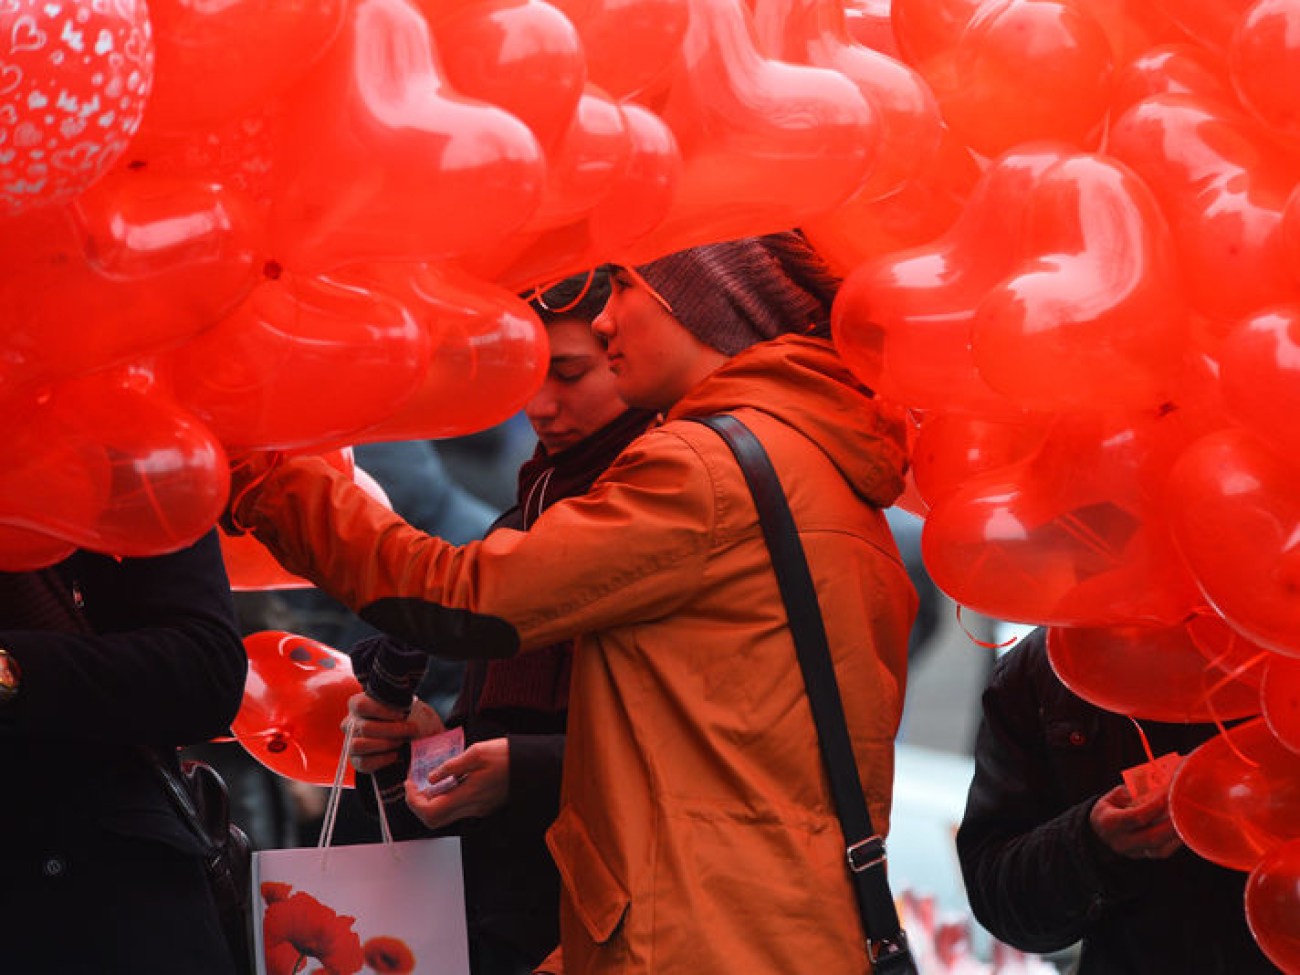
<point>599,898</point>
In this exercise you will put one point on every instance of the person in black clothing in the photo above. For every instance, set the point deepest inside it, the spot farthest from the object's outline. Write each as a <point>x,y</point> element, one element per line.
<point>513,711</point>
<point>107,663</point>
<point>1054,850</point>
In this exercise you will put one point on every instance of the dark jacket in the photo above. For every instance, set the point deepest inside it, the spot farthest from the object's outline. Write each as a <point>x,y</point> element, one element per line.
<point>1037,876</point>
<point>98,874</point>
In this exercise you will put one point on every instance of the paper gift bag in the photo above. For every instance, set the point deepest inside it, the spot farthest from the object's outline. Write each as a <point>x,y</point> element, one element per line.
<point>376,909</point>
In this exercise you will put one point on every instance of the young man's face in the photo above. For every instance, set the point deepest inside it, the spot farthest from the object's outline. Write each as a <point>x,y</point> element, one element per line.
<point>655,360</point>
<point>578,395</point>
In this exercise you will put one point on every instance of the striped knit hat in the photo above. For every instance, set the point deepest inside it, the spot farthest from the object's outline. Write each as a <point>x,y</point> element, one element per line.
<point>734,294</point>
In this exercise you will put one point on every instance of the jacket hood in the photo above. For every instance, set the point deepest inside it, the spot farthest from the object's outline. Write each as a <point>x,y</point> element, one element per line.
<point>802,382</point>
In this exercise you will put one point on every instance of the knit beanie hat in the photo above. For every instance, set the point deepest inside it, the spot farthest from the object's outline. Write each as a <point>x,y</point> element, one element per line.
<point>734,294</point>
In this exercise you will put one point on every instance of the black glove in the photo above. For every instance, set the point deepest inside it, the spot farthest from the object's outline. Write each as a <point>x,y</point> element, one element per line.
<point>389,670</point>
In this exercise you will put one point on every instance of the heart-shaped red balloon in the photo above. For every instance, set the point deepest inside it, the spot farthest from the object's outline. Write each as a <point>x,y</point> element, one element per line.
<point>428,174</point>
<point>1074,535</point>
<point>295,702</point>
<point>108,462</point>
<point>815,32</point>
<point>1222,186</point>
<point>1280,694</point>
<point>303,362</point>
<point>1237,796</point>
<point>1028,69</point>
<point>491,357</point>
<point>1148,672</point>
<point>1273,904</point>
<point>765,144</point>
<point>218,60</point>
<point>1091,311</point>
<point>521,55</point>
<point>1260,369</point>
<point>151,260</point>
<point>1234,509</point>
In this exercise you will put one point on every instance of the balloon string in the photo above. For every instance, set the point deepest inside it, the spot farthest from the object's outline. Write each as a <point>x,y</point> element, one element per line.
<point>539,295</point>
<point>982,643</point>
<point>1074,527</point>
<point>1146,745</point>
<point>1214,714</point>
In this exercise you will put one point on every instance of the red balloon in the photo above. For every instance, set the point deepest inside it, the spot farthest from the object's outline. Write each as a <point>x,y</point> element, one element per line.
<point>634,203</point>
<point>1092,311</point>
<point>1280,694</point>
<point>1273,905</point>
<point>630,45</point>
<point>585,162</point>
<point>304,362</point>
<point>295,702</point>
<point>765,145</point>
<point>219,60</point>
<point>1237,796</point>
<point>378,159</point>
<point>492,356</point>
<point>1170,69</point>
<point>868,22</point>
<point>22,550</point>
<point>1028,69</point>
<point>927,32</point>
<point>1210,22</point>
<point>815,32</point>
<point>902,321</point>
<point>1072,536</point>
<point>151,261</point>
<point>1153,673</point>
<point>924,207</point>
<point>952,448</point>
<point>109,463</point>
<point>1265,62</point>
<point>251,567</point>
<point>1056,290</point>
<point>1234,509</point>
<point>74,83</point>
<point>521,55</point>
<point>1222,187</point>
<point>1260,361</point>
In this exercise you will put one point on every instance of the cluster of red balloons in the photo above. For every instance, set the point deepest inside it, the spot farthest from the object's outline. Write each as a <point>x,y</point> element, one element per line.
<point>1095,321</point>
<point>1070,231</point>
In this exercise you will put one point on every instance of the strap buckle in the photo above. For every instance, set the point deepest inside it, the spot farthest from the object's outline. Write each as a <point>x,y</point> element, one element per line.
<point>891,954</point>
<point>865,854</point>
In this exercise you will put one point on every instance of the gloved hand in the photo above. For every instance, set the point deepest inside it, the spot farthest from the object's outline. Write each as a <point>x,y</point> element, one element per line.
<point>389,670</point>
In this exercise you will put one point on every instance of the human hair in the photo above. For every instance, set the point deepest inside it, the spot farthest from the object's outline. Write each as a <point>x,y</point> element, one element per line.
<point>580,296</point>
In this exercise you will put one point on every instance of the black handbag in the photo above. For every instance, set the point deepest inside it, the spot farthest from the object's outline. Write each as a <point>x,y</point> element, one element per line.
<point>864,848</point>
<point>199,794</point>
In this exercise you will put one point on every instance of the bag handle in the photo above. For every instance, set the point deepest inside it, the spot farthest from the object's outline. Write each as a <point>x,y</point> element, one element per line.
<point>864,847</point>
<point>336,793</point>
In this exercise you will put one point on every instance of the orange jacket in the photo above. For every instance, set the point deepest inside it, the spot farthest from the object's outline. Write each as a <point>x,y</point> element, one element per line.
<point>696,833</point>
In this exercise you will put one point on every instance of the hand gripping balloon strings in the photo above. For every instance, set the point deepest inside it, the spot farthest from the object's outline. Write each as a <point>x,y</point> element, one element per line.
<point>257,479</point>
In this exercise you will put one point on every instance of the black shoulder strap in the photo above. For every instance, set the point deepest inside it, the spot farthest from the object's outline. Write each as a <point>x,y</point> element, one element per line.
<point>864,848</point>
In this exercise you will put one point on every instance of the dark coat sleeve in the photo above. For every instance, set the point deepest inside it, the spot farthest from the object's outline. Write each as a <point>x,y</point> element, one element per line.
<point>165,665</point>
<point>1035,873</point>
